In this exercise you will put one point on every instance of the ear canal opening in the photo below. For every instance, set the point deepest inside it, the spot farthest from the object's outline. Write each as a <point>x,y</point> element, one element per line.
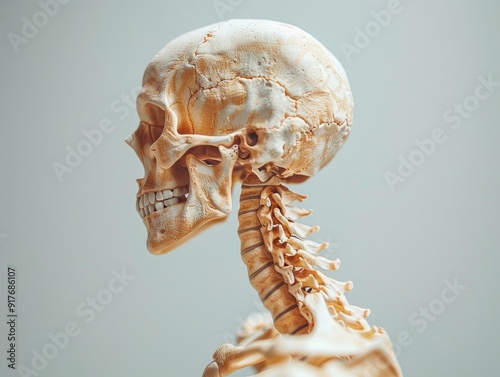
<point>252,138</point>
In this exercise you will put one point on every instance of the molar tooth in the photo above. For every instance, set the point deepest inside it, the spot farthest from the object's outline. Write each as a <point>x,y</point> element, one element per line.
<point>141,203</point>
<point>151,208</point>
<point>159,206</point>
<point>137,208</point>
<point>170,201</point>
<point>142,212</point>
<point>146,210</point>
<point>145,200</point>
<point>167,194</point>
<point>180,191</point>
<point>159,196</point>
<point>151,197</point>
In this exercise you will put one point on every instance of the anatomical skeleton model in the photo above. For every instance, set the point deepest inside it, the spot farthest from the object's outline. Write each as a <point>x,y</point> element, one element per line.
<point>266,104</point>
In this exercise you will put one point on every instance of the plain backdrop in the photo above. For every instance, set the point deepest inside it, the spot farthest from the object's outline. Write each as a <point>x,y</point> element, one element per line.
<point>404,232</point>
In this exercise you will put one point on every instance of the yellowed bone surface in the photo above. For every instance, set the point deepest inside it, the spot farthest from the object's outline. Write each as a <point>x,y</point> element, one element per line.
<point>337,340</point>
<point>265,103</point>
<point>241,97</point>
<point>330,350</point>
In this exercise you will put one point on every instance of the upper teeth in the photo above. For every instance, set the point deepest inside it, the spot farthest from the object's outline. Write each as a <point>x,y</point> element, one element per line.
<point>156,201</point>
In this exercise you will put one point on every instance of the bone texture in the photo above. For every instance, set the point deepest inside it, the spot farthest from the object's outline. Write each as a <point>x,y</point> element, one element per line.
<point>266,273</point>
<point>330,350</point>
<point>266,88</point>
<point>264,103</point>
<point>281,262</point>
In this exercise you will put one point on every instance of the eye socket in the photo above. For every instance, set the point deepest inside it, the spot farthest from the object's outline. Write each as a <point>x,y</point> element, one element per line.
<point>154,118</point>
<point>252,138</point>
<point>152,114</point>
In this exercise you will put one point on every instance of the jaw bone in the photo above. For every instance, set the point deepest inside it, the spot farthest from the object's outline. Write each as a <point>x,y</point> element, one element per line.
<point>281,102</point>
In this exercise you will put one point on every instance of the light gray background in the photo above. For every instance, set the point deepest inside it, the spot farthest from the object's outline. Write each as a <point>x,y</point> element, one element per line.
<point>399,247</point>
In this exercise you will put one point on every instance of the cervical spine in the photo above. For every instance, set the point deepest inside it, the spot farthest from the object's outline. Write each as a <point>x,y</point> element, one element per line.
<point>269,283</point>
<point>280,262</point>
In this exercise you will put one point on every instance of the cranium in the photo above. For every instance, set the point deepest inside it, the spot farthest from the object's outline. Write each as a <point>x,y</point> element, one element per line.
<point>252,99</point>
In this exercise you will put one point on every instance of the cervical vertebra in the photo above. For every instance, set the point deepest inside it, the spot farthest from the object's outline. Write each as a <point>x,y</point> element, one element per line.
<point>258,101</point>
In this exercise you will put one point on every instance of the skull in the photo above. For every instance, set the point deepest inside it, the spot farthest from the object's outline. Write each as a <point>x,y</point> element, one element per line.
<point>243,99</point>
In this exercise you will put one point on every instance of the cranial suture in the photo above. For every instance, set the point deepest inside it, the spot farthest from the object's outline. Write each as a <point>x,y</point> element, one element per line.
<point>265,104</point>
